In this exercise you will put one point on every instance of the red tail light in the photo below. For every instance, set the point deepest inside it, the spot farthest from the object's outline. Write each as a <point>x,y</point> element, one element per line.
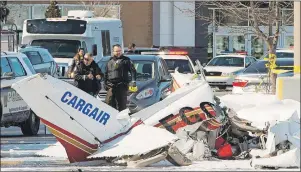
<point>239,83</point>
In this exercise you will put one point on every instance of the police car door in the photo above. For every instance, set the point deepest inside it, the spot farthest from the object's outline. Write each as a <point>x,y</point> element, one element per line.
<point>11,102</point>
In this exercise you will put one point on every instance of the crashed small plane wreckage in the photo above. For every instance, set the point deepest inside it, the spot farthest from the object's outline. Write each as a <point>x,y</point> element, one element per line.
<point>91,130</point>
<point>190,124</point>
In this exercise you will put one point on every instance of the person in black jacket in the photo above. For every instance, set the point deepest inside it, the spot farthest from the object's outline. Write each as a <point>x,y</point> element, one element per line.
<point>88,75</point>
<point>117,79</point>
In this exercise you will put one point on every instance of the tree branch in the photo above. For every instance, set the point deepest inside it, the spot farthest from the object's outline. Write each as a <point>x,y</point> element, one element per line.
<point>255,22</point>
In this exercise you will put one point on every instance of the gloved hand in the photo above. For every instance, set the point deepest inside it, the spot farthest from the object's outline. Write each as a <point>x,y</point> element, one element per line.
<point>133,84</point>
<point>107,86</point>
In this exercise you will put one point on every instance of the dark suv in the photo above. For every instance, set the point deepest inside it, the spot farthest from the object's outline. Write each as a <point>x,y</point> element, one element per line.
<point>154,82</point>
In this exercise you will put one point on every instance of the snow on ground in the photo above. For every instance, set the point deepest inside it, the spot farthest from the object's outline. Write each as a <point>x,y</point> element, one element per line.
<point>235,165</point>
<point>56,150</point>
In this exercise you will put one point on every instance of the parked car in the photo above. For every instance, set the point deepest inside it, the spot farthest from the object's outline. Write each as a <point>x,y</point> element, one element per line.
<point>281,53</point>
<point>256,75</point>
<point>14,110</point>
<point>153,81</point>
<point>42,60</point>
<point>286,74</point>
<point>140,50</point>
<point>219,69</point>
<point>176,59</point>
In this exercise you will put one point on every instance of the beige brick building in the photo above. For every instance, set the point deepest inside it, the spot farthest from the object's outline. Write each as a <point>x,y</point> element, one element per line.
<point>136,16</point>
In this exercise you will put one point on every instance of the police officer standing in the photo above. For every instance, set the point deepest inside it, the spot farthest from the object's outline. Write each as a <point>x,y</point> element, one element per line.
<point>117,79</point>
<point>88,75</point>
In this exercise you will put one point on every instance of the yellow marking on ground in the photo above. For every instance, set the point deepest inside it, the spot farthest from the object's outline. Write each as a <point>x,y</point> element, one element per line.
<point>3,162</point>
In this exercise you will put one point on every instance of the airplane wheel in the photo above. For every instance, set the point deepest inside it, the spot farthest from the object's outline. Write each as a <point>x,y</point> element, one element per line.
<point>31,126</point>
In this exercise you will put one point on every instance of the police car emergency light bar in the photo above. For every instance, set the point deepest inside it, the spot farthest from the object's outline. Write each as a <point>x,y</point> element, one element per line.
<point>166,53</point>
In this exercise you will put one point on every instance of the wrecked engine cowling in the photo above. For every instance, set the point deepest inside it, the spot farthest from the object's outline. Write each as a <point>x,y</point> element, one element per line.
<point>220,134</point>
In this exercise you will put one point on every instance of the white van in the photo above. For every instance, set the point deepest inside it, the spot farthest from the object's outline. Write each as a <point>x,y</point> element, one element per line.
<point>63,36</point>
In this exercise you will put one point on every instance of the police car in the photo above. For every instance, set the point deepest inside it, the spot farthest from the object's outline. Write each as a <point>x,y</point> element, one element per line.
<point>219,70</point>
<point>281,53</point>
<point>14,110</point>
<point>176,60</point>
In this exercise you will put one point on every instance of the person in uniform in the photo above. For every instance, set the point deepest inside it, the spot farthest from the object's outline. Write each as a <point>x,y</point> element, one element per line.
<point>117,79</point>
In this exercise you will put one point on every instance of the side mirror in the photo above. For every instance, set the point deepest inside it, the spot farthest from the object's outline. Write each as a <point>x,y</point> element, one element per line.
<point>94,50</point>
<point>8,75</point>
<point>204,64</point>
<point>248,64</point>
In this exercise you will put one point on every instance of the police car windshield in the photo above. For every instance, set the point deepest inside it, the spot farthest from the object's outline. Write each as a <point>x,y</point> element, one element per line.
<point>59,48</point>
<point>227,61</point>
<point>183,65</point>
<point>145,70</point>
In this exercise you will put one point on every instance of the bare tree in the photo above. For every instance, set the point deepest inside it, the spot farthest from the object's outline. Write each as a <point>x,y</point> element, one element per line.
<point>235,15</point>
<point>104,11</point>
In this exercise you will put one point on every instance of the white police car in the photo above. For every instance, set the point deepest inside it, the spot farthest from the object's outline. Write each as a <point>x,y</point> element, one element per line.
<point>219,70</point>
<point>176,60</point>
<point>14,110</point>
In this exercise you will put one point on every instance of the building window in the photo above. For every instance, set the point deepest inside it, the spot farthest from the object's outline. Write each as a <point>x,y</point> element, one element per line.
<point>288,17</point>
<point>238,43</point>
<point>289,42</point>
<point>257,48</point>
<point>222,43</point>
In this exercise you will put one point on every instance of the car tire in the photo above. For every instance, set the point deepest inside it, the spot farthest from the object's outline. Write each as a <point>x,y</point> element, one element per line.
<point>31,126</point>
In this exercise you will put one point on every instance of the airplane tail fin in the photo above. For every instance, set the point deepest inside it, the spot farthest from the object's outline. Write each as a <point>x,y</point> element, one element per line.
<point>79,121</point>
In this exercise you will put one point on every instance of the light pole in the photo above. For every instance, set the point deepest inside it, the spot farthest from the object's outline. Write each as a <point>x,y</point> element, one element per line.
<point>297,37</point>
<point>15,34</point>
